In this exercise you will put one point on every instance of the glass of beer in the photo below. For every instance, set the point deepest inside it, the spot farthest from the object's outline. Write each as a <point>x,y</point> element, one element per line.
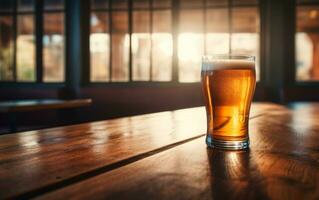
<point>228,83</point>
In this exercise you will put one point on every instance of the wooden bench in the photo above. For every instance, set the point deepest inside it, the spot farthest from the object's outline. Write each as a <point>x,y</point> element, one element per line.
<point>12,107</point>
<point>164,156</point>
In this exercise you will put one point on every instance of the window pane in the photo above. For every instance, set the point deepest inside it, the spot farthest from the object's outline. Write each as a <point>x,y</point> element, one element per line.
<point>119,4</point>
<point>162,46</point>
<point>53,47</point>
<point>25,48</point>
<point>217,2</point>
<point>244,2</point>
<point>162,3</point>
<point>100,47</point>
<point>6,5</point>
<point>141,45</point>
<point>307,43</point>
<point>120,46</point>
<point>191,3</point>
<point>190,45</point>
<point>217,37</point>
<point>25,5</point>
<point>99,4</point>
<point>141,3</point>
<point>6,48</point>
<point>245,20</point>
<point>53,4</point>
<point>245,37</point>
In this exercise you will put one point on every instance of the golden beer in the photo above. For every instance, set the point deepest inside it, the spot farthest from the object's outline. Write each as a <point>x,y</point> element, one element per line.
<point>228,85</point>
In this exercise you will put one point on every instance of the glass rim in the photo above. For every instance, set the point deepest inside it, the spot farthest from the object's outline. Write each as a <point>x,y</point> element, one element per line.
<point>210,57</point>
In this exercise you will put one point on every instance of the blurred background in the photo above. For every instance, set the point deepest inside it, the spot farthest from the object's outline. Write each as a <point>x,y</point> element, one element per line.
<point>140,56</point>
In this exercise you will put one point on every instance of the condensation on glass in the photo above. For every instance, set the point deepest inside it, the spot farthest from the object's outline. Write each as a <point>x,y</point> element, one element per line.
<point>53,41</point>
<point>307,41</point>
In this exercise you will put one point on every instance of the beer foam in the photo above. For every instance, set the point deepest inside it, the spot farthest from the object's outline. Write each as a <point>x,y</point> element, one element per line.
<point>228,64</point>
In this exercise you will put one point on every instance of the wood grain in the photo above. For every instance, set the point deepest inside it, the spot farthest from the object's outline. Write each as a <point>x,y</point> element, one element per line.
<point>32,162</point>
<point>283,163</point>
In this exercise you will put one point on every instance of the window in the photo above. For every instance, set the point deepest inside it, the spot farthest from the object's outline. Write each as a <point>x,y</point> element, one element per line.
<point>25,41</point>
<point>18,58</point>
<point>215,27</point>
<point>147,50</point>
<point>134,42</point>
<point>16,36</point>
<point>307,40</point>
<point>53,41</point>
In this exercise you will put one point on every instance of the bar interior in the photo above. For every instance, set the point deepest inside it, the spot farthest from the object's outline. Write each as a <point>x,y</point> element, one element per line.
<point>106,99</point>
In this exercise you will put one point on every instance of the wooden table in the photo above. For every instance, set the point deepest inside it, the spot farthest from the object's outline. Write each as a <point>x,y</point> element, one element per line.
<point>12,107</point>
<point>163,156</point>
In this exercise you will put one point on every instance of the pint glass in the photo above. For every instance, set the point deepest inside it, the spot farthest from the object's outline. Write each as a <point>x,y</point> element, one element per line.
<point>228,83</point>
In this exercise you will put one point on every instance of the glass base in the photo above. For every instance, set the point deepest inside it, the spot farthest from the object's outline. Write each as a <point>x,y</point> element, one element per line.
<point>229,145</point>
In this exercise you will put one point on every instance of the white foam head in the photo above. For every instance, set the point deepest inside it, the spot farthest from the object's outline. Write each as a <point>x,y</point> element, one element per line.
<point>220,64</point>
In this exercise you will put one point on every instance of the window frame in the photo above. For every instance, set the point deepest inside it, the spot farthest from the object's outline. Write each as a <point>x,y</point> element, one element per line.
<point>38,15</point>
<point>175,8</point>
<point>292,76</point>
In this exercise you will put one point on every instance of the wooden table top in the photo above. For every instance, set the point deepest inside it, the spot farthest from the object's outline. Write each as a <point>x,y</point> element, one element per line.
<point>41,104</point>
<point>164,156</point>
